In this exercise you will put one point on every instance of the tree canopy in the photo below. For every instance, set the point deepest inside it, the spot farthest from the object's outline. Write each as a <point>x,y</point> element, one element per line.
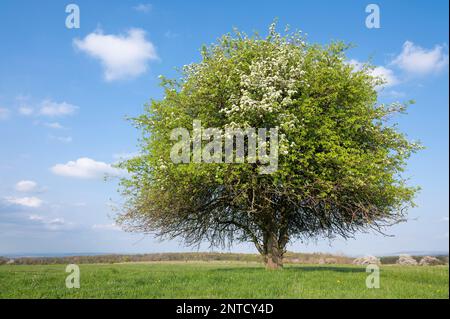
<point>340,161</point>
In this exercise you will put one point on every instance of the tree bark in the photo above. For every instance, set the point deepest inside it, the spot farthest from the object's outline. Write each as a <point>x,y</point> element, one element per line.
<point>273,257</point>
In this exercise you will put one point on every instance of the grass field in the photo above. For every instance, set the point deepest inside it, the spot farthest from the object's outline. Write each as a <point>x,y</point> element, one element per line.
<point>221,280</point>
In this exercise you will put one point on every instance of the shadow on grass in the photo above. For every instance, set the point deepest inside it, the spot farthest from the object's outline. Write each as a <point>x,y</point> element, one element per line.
<point>292,269</point>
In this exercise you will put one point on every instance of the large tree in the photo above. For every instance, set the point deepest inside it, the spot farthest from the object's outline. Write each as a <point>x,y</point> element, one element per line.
<point>340,159</point>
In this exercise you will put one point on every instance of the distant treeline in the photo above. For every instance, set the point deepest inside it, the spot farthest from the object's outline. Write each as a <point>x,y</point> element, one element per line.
<point>393,259</point>
<point>180,257</point>
<point>290,257</point>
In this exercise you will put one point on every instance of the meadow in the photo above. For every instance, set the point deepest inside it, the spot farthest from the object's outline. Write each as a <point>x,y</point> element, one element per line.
<point>221,280</point>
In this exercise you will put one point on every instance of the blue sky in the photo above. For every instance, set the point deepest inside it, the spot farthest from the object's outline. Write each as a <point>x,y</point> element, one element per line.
<point>65,94</point>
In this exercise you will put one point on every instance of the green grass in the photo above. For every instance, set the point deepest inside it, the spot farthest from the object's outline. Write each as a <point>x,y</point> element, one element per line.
<point>221,280</point>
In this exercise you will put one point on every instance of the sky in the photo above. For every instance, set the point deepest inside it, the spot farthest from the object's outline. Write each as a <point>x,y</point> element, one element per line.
<point>66,94</point>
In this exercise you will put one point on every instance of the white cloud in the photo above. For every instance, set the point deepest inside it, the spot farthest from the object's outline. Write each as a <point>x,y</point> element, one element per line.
<point>54,224</point>
<point>26,110</point>
<point>379,71</point>
<point>386,74</point>
<point>122,56</point>
<point>143,7</point>
<point>56,221</point>
<point>445,219</point>
<point>54,125</point>
<point>62,139</point>
<point>32,202</point>
<point>106,227</point>
<point>170,35</point>
<point>54,109</point>
<point>85,168</point>
<point>417,60</point>
<point>36,217</point>
<point>22,97</point>
<point>4,113</point>
<point>26,186</point>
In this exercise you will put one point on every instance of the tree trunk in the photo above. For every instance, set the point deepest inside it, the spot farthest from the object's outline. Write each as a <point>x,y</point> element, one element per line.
<point>273,257</point>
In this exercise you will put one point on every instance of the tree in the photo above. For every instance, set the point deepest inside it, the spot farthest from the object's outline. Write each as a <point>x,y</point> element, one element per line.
<point>340,163</point>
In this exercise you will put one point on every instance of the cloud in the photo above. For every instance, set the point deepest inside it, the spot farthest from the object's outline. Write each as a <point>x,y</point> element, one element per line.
<point>445,219</point>
<point>54,109</point>
<point>122,56</point>
<point>48,108</point>
<point>417,60</point>
<point>54,125</point>
<point>143,7</point>
<point>170,35</point>
<point>26,110</point>
<point>4,113</point>
<point>22,97</point>
<point>379,71</point>
<point>36,217</point>
<point>62,139</point>
<point>56,222</point>
<point>26,186</point>
<point>15,218</point>
<point>386,74</point>
<point>32,202</point>
<point>106,227</point>
<point>85,168</point>
<point>50,223</point>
